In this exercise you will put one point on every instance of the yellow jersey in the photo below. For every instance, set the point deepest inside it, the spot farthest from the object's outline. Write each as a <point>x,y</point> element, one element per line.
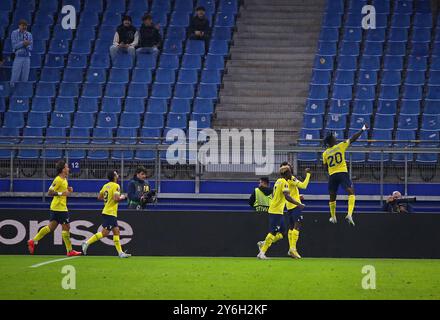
<point>334,157</point>
<point>278,200</point>
<point>59,203</point>
<point>294,185</point>
<point>110,205</point>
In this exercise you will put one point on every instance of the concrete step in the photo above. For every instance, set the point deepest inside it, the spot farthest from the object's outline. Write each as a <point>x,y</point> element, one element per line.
<point>281,15</point>
<point>270,56</point>
<point>310,50</point>
<point>246,27</point>
<point>294,64</point>
<point>261,100</point>
<point>298,21</point>
<point>284,2</point>
<point>241,74</point>
<point>281,87</point>
<point>221,107</point>
<point>246,115</point>
<point>263,71</point>
<point>278,43</point>
<point>265,92</point>
<point>255,123</point>
<point>274,37</point>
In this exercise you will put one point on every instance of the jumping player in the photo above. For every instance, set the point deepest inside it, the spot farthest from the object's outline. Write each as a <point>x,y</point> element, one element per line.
<point>110,193</point>
<point>281,195</point>
<point>334,158</point>
<point>59,190</point>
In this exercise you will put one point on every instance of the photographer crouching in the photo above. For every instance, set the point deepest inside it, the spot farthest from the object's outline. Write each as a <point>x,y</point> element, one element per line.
<point>139,193</point>
<point>397,204</point>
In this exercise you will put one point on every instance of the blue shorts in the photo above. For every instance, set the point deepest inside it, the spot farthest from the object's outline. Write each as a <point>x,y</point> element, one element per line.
<point>62,217</point>
<point>339,179</point>
<point>276,223</point>
<point>294,215</point>
<point>109,222</point>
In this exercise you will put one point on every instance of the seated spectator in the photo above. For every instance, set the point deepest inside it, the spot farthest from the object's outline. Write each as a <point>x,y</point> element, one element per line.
<point>125,39</point>
<point>22,45</point>
<point>260,198</point>
<point>199,26</point>
<point>149,36</point>
<point>397,204</point>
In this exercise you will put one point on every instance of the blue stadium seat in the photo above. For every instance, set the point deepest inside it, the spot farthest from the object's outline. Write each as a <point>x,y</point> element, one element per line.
<point>342,92</point>
<point>64,105</point>
<point>410,107</point>
<point>430,122</point>
<point>129,120</point>
<point>389,92</point>
<point>207,91</point>
<point>39,47</point>
<point>191,61</point>
<point>153,121</point>
<point>367,77</point>
<point>323,63</point>
<point>54,60</point>
<point>412,92</point>
<point>313,122</point>
<point>177,120</point>
<point>403,6</point>
<point>45,90</point>
<point>84,120</point>
<point>190,76</point>
<point>107,120</point>
<point>118,75</point>
<point>408,122</point>
<point>123,61</point>
<point>111,105</point>
<point>157,105</point>
<point>400,21</point>
<point>36,120</point>
<point>60,33</point>
<point>87,105</point>
<point>165,76</point>
<point>346,63</point>
<point>337,106</point>
<point>4,89</point>
<point>434,77</point>
<point>391,78</point>
<point>381,6</point>
<point>146,61</point>
<point>77,61</point>
<point>379,135</point>
<point>18,104</point>
<point>370,63</point>
<point>222,33</point>
<point>324,77</point>
<point>141,76</point>
<point>384,122</point>
<point>393,63</point>
<point>134,105</point>
<point>60,120</point>
<point>225,19</point>
<point>161,91</point>
<point>373,48</point>
<point>396,48</point>
<point>336,122</point>
<point>203,105</point>
<point>179,19</point>
<point>423,6</point>
<point>362,107</point>
<point>54,136</point>
<point>59,46</point>
<point>138,90</point>
<point>387,107</point>
<point>96,75</point>
<point>41,104</point>
<point>376,35</point>
<point>417,63</point>
<point>93,6</point>
<point>169,61</point>
<point>433,92</point>
<point>50,75</point>
<point>357,121</point>
<point>309,135</point>
<point>203,120</point>
<point>352,34</point>
<point>365,92</point>
<point>186,91</point>
<point>420,49</point>
<point>92,90</point>
<point>23,90</point>
<point>214,62</point>
<point>73,75</point>
<point>173,47</point>
<point>331,20</point>
<point>329,34</point>
<point>315,106</point>
<point>100,60</point>
<point>69,90</point>
<point>432,107</point>
<point>102,46</point>
<point>349,48</point>
<point>179,105</point>
<point>423,20</point>
<point>115,90</point>
<point>175,32</point>
<point>327,48</point>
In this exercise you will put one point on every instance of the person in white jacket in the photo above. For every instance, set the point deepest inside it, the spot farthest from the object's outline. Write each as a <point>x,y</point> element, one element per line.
<point>125,40</point>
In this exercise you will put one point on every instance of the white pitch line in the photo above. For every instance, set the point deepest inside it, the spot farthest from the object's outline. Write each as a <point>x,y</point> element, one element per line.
<point>51,261</point>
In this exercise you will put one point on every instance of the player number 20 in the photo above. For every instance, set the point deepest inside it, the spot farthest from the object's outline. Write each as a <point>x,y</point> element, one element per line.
<point>334,160</point>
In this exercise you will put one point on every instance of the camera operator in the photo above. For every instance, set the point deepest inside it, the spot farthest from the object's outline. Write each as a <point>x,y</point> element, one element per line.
<point>139,193</point>
<point>397,204</point>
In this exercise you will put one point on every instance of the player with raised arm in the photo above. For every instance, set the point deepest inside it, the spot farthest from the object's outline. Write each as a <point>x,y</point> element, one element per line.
<point>334,158</point>
<point>59,190</point>
<point>281,195</point>
<point>111,195</point>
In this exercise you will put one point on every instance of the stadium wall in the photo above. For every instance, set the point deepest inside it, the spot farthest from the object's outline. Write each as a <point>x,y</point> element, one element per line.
<point>230,234</point>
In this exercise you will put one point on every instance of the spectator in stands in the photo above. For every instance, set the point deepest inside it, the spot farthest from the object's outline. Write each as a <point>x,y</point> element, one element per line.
<point>397,204</point>
<point>149,36</point>
<point>199,26</point>
<point>260,198</point>
<point>138,189</point>
<point>125,39</point>
<point>22,45</point>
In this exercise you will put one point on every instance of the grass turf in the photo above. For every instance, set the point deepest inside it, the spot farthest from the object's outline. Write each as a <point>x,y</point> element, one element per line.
<point>217,278</point>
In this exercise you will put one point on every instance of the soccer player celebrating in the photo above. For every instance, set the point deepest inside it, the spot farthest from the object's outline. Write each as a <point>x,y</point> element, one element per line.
<point>281,195</point>
<point>294,211</point>
<point>334,158</point>
<point>59,190</point>
<point>110,193</point>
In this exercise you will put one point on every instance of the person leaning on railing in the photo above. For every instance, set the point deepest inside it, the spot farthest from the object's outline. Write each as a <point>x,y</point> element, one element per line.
<point>260,198</point>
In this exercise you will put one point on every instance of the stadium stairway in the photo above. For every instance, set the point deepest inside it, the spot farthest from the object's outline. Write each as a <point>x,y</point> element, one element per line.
<point>267,77</point>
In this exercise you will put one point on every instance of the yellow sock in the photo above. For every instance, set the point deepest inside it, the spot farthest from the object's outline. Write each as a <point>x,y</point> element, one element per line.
<point>295,237</point>
<point>267,242</point>
<point>117,244</point>
<point>332,206</point>
<point>289,236</point>
<point>66,239</point>
<point>94,238</point>
<point>278,237</point>
<point>43,231</point>
<point>351,201</point>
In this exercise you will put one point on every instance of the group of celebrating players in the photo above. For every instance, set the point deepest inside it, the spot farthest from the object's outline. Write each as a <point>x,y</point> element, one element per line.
<point>286,195</point>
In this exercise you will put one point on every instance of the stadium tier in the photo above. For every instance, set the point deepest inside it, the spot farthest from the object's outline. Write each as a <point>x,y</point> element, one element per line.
<point>387,77</point>
<point>74,88</point>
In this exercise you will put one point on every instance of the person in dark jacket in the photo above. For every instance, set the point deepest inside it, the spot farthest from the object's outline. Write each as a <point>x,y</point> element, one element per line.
<point>260,198</point>
<point>125,39</point>
<point>149,36</point>
<point>199,26</point>
<point>138,188</point>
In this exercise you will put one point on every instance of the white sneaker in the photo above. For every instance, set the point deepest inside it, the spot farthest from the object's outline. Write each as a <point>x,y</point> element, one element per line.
<point>349,220</point>
<point>84,246</point>
<point>294,254</point>
<point>260,244</point>
<point>124,255</point>
<point>333,220</point>
<point>262,256</point>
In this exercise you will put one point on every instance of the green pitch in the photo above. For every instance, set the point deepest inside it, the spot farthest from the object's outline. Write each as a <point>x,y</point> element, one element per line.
<point>216,278</point>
